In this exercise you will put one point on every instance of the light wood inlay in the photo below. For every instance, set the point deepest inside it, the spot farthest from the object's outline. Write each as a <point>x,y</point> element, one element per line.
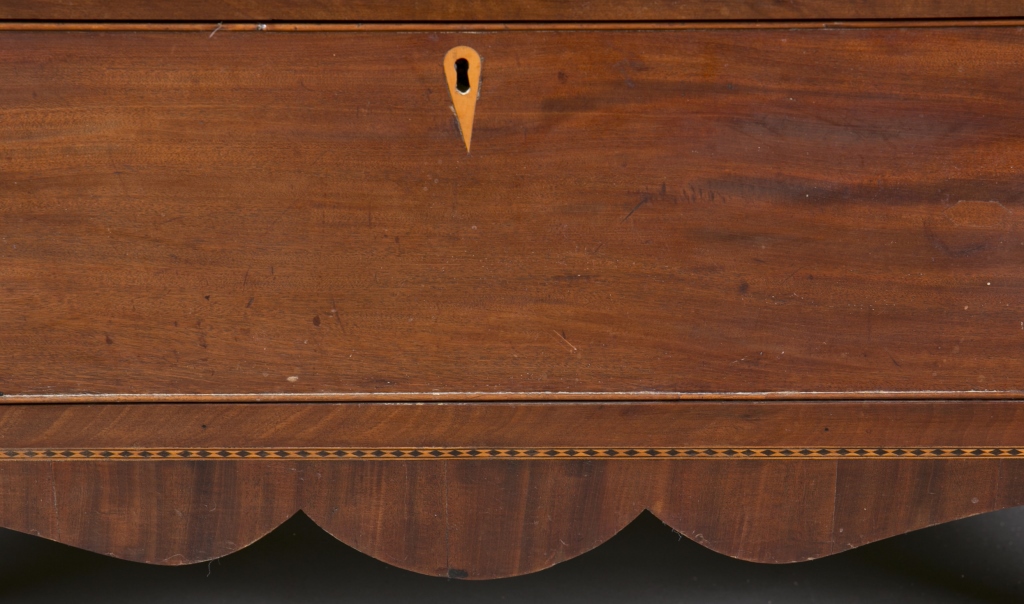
<point>462,69</point>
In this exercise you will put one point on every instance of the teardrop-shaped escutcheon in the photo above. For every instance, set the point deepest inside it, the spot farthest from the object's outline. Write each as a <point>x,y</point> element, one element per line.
<point>462,70</point>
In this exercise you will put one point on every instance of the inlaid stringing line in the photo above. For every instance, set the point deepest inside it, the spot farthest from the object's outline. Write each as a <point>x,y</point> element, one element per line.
<point>430,453</point>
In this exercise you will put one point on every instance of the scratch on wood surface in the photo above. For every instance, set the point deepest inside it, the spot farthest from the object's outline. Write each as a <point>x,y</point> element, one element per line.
<point>56,509</point>
<point>447,528</point>
<point>645,198</point>
<point>561,336</point>
<point>835,506</point>
<point>334,311</point>
<point>790,277</point>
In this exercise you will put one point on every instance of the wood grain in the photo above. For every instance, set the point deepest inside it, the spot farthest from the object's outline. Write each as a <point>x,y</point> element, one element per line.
<point>761,226</point>
<point>874,499</point>
<point>1011,485</point>
<point>149,511</point>
<point>394,512</point>
<point>524,425</point>
<point>493,10</point>
<point>478,519</point>
<point>486,518</point>
<point>645,212</point>
<point>540,507</point>
<point>759,510</point>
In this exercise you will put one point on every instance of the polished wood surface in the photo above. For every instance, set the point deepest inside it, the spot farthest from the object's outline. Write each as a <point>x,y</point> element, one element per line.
<point>478,516</point>
<point>484,519</point>
<point>759,278</point>
<point>642,212</point>
<point>640,425</point>
<point>501,10</point>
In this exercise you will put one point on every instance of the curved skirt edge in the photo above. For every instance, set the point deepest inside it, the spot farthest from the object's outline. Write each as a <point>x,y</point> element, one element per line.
<point>480,519</point>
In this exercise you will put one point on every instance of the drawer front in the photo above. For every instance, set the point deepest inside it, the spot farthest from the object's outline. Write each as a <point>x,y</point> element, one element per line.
<point>785,212</point>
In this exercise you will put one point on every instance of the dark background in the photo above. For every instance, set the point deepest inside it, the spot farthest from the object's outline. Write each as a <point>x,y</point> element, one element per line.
<point>978,559</point>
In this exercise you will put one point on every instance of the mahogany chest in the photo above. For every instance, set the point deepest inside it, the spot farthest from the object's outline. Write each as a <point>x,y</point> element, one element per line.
<point>473,284</point>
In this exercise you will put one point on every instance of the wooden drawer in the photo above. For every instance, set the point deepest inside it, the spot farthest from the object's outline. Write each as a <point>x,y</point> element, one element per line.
<point>739,274</point>
<point>682,213</point>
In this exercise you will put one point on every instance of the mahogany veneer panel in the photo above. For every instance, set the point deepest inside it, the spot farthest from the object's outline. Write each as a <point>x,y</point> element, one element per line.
<point>474,519</point>
<point>874,499</point>
<point>799,424</point>
<point>764,510</point>
<point>667,212</point>
<point>501,10</point>
<point>489,489</point>
<point>764,283</point>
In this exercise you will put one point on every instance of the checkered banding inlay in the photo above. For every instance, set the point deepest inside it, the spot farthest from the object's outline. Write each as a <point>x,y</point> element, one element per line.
<point>429,453</point>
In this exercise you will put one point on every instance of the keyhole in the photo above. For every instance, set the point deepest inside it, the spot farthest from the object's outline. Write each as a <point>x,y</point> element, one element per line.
<point>462,76</point>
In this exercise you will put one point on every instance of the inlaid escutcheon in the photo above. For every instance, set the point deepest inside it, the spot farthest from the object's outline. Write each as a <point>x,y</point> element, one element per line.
<point>462,69</point>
